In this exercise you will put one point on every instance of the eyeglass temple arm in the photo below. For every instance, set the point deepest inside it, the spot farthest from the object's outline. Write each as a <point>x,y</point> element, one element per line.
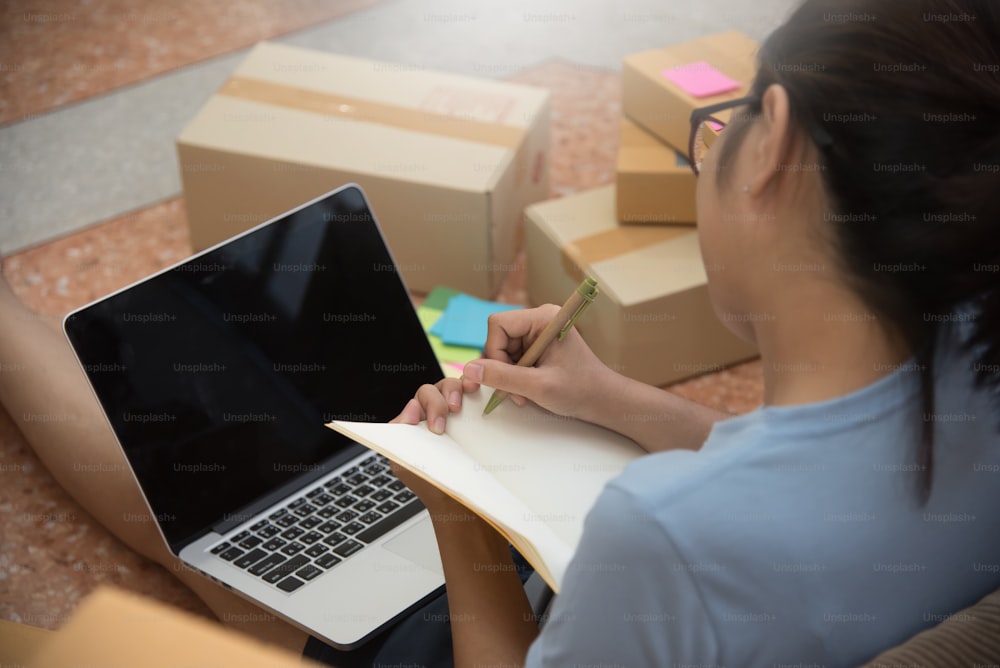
<point>701,112</point>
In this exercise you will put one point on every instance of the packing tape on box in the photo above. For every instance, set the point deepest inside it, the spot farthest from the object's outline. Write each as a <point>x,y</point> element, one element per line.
<point>583,252</point>
<point>351,108</point>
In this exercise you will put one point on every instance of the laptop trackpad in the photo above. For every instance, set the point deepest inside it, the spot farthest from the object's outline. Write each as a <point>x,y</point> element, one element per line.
<point>413,546</point>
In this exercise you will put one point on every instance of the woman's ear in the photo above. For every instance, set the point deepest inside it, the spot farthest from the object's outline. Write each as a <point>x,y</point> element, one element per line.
<point>771,140</point>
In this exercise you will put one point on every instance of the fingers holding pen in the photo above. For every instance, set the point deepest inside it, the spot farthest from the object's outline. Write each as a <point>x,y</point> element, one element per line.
<point>510,333</point>
<point>515,380</point>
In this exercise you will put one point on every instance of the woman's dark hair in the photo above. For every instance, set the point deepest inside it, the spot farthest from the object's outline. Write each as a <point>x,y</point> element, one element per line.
<point>909,92</point>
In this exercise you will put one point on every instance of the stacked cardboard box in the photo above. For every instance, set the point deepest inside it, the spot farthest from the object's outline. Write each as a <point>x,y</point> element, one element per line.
<point>654,320</point>
<point>660,89</point>
<point>655,182</point>
<point>448,162</point>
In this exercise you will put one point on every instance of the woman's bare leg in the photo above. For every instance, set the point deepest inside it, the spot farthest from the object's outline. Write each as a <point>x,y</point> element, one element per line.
<point>47,395</point>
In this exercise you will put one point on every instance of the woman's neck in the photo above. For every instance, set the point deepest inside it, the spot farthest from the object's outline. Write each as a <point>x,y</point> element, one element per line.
<point>823,343</point>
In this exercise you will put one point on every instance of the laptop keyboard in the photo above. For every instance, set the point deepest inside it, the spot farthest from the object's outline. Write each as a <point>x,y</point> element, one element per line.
<point>317,530</point>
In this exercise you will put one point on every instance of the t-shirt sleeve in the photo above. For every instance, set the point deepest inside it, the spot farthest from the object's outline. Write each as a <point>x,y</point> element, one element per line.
<point>628,597</point>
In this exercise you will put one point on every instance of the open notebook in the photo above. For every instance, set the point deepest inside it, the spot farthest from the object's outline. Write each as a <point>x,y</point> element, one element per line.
<point>531,474</point>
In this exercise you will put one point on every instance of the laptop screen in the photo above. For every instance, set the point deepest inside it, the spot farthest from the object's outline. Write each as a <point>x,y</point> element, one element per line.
<point>218,374</point>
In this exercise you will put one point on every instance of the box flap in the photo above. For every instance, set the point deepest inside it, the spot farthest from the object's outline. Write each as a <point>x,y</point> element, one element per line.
<point>649,273</point>
<point>575,216</point>
<point>632,263</point>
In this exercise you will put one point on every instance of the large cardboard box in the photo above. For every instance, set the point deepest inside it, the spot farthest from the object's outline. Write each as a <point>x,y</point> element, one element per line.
<point>662,106</point>
<point>448,162</point>
<point>655,183</point>
<point>653,320</point>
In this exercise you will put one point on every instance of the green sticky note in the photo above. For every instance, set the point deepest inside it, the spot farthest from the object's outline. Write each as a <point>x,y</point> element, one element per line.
<point>439,297</point>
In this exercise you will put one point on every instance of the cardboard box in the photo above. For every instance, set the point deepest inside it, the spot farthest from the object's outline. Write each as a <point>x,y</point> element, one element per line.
<point>117,628</point>
<point>655,183</point>
<point>664,108</point>
<point>448,162</point>
<point>653,320</point>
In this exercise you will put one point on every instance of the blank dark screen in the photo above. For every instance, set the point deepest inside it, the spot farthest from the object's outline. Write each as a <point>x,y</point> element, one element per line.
<point>219,374</point>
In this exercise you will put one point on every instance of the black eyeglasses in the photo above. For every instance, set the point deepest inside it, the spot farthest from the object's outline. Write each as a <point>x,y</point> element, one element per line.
<point>705,128</point>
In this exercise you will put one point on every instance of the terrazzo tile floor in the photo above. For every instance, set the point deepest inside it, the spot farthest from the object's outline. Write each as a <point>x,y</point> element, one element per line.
<point>62,51</point>
<point>52,552</point>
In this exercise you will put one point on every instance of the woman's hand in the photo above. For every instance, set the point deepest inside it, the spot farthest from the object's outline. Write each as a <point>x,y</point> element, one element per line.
<point>567,379</point>
<point>432,403</point>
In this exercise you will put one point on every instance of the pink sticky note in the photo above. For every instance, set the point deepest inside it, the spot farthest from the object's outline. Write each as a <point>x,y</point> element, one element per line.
<point>700,79</point>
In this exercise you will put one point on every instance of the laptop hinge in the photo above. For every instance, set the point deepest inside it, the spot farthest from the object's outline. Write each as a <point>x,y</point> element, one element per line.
<point>234,519</point>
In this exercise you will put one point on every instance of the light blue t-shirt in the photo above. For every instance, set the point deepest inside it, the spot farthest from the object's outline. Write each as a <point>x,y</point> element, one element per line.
<point>792,538</point>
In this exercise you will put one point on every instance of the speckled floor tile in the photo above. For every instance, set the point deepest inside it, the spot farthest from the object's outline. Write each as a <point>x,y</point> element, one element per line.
<point>61,51</point>
<point>53,553</point>
<point>64,274</point>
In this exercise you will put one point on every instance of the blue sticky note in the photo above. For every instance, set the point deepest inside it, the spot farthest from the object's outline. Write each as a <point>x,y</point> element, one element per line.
<point>440,325</point>
<point>464,321</point>
<point>439,298</point>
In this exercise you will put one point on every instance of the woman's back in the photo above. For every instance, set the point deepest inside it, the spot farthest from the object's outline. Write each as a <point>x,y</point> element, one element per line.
<point>794,537</point>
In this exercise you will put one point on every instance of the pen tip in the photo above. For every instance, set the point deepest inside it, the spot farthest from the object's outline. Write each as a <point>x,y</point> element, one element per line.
<point>491,404</point>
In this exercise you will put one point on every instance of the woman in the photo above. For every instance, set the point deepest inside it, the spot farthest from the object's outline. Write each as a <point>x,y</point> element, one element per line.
<point>849,213</point>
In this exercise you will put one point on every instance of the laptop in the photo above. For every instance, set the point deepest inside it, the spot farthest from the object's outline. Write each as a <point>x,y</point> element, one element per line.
<point>217,376</point>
